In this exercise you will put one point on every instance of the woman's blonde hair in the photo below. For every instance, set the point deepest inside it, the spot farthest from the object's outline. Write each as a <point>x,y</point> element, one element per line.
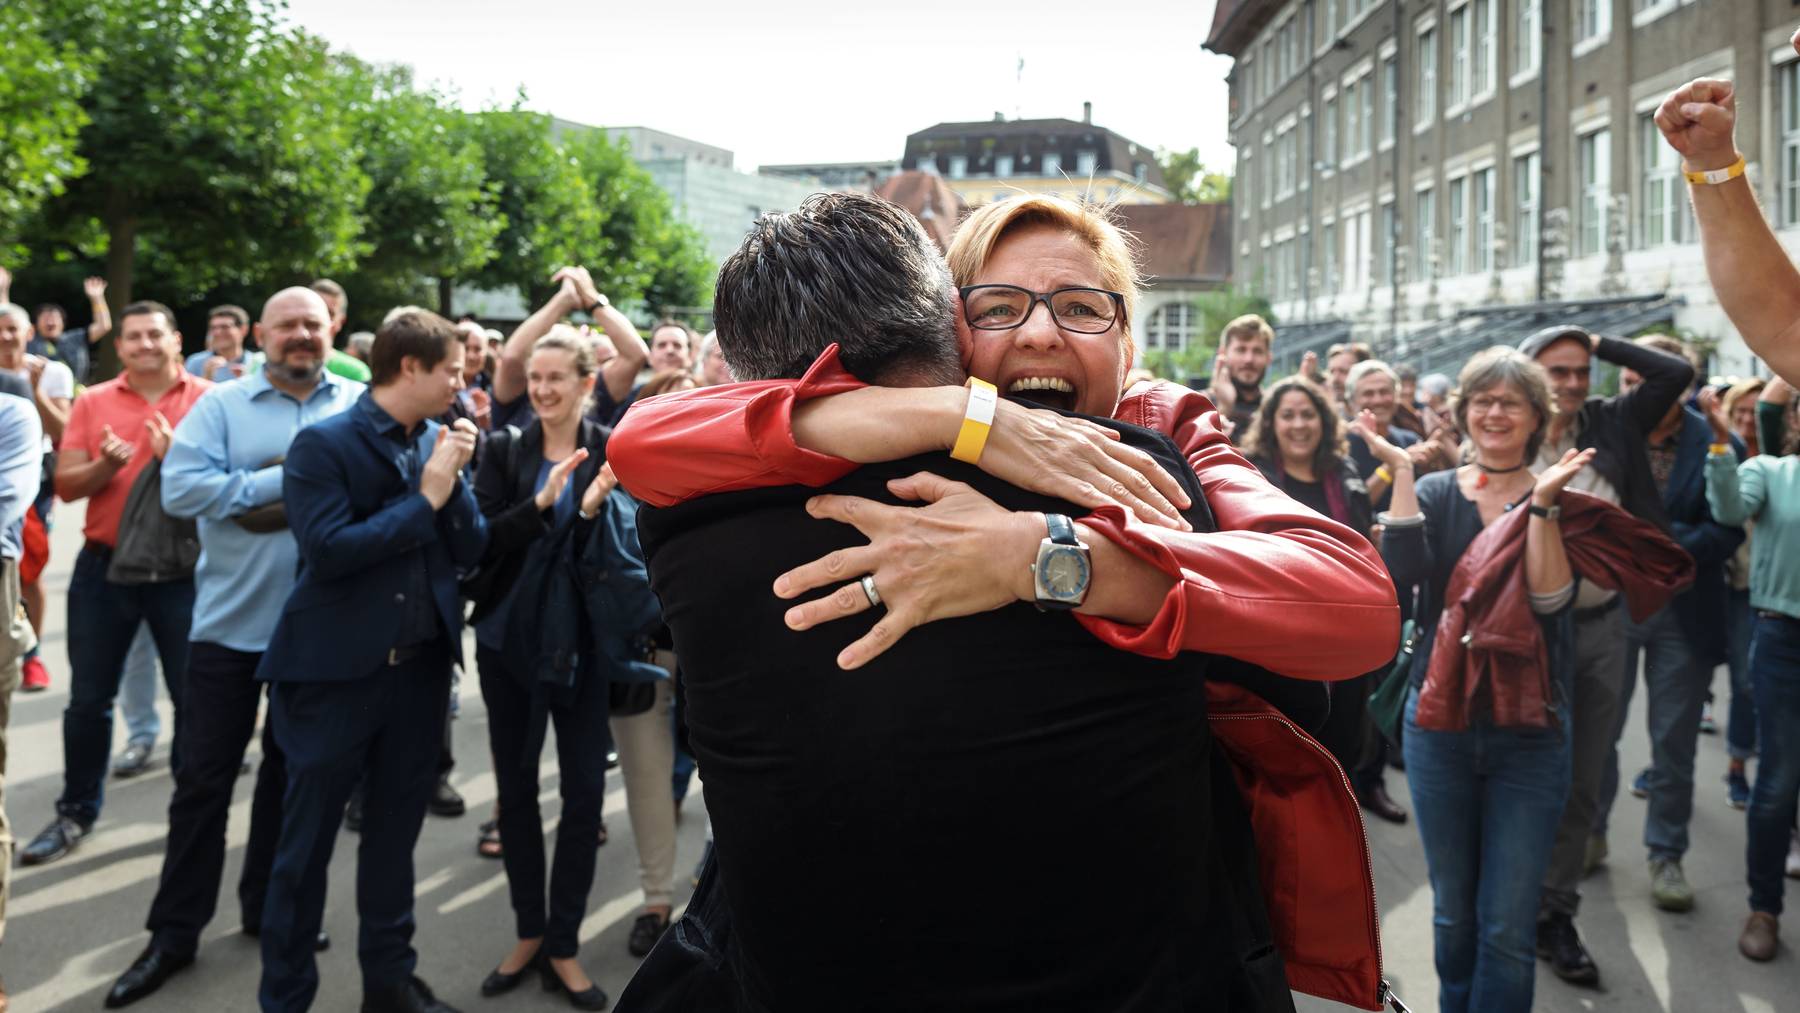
<point>1112,246</point>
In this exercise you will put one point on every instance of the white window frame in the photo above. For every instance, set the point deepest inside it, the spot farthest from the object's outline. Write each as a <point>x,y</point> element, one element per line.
<point>1424,231</point>
<point>1328,281</point>
<point>1456,226</point>
<point>1643,13</point>
<point>1089,159</point>
<point>1051,165</point>
<point>1003,165</point>
<point>1602,26</point>
<point>1328,108</point>
<point>1525,166</point>
<point>958,166</point>
<point>1662,190</point>
<point>1459,32</point>
<point>1484,50</point>
<point>1352,102</point>
<point>1425,82</point>
<point>1385,220</point>
<point>1786,122</point>
<point>1482,193</point>
<point>1592,195</point>
<point>1388,72</point>
<point>1528,42</point>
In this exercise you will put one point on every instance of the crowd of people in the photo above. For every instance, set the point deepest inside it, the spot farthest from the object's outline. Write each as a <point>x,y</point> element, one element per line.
<point>1064,588</point>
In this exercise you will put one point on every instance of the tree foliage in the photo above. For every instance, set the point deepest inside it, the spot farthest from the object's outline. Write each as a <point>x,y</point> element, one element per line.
<point>1186,177</point>
<point>41,85</point>
<point>543,195</point>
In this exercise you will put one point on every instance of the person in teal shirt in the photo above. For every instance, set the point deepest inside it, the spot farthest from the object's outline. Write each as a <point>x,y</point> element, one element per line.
<point>1765,491</point>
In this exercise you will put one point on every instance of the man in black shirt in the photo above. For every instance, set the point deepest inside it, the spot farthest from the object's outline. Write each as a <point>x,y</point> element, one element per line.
<point>899,837</point>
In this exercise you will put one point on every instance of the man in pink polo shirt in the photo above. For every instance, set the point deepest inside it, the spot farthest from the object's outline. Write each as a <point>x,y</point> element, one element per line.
<point>113,431</point>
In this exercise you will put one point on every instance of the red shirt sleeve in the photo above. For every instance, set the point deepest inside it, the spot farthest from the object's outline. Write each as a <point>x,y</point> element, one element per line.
<point>1277,585</point>
<point>673,448</point>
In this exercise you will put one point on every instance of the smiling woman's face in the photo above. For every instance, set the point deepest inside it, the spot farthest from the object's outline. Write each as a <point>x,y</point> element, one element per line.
<point>1038,360</point>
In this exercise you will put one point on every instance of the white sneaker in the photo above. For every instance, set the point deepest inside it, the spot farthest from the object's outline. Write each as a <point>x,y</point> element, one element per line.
<point>1793,861</point>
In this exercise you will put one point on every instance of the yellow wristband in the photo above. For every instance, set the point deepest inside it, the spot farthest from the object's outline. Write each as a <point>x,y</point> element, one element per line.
<point>1384,474</point>
<point>1719,448</point>
<point>978,420</point>
<point>1715,176</point>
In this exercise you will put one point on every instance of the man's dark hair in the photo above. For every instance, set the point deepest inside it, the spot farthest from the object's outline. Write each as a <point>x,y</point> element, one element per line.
<point>237,314</point>
<point>145,307</point>
<point>686,331</point>
<point>49,307</point>
<point>418,334</point>
<point>332,290</point>
<point>843,267</point>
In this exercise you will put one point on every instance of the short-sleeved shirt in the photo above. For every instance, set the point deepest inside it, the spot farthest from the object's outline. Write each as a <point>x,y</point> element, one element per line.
<point>115,404</point>
<point>70,349</point>
<point>58,381</point>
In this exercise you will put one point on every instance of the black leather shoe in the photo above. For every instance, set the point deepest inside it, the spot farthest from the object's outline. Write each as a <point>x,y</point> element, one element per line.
<point>590,998</point>
<point>145,975</point>
<point>499,982</point>
<point>1560,944</point>
<point>648,928</point>
<point>1377,801</point>
<point>353,812</point>
<point>445,801</point>
<point>413,997</point>
<point>53,842</point>
<point>320,945</point>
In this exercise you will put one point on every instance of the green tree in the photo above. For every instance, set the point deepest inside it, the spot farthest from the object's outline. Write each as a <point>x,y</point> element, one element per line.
<point>541,191</point>
<point>642,249</point>
<point>1216,309</point>
<point>1186,177</point>
<point>41,84</point>
<point>215,153</point>
<point>431,214</point>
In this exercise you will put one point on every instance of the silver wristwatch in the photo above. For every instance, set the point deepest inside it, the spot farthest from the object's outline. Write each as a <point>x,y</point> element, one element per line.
<point>1063,570</point>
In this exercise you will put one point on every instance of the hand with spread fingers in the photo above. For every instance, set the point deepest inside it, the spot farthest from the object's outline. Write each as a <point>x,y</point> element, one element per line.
<point>1082,462</point>
<point>926,563</point>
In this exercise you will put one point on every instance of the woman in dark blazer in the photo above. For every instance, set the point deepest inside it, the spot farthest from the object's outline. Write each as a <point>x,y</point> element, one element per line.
<point>541,490</point>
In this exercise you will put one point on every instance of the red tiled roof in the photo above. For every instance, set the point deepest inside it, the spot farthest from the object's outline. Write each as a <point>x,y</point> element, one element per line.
<point>930,200</point>
<point>1180,242</point>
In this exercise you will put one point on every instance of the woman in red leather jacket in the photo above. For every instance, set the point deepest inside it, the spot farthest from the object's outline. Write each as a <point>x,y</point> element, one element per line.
<point>1259,589</point>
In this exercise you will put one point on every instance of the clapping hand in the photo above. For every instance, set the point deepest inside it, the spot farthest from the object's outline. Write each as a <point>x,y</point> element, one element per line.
<point>1370,430</point>
<point>597,490</point>
<point>558,478</point>
<point>1309,366</point>
<point>34,369</point>
<point>94,287</point>
<point>1223,390</point>
<point>1714,410</point>
<point>1551,482</point>
<point>161,433</point>
<point>113,450</point>
<point>455,445</point>
<point>581,282</point>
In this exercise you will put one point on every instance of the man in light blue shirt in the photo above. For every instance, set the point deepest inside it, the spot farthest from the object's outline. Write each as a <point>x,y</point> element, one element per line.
<point>21,466</point>
<point>224,469</point>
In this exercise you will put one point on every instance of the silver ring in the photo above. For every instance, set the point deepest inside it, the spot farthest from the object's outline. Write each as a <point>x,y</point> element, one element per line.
<point>868,586</point>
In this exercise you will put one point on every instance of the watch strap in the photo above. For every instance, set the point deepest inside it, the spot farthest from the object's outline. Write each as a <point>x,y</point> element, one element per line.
<point>1061,528</point>
<point>598,304</point>
<point>1548,513</point>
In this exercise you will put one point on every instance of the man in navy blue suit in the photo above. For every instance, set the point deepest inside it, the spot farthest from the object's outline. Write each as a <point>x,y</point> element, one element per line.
<point>360,659</point>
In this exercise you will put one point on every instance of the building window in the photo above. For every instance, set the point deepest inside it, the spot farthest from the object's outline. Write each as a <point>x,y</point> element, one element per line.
<point>1457,217</point>
<point>1390,94</point>
<point>1085,163</point>
<point>1525,209</point>
<point>959,166</point>
<point>1172,327</point>
<point>1593,19</point>
<point>1003,165</point>
<point>1483,195</point>
<point>1052,163</point>
<point>928,163</point>
<point>1331,19</point>
<point>1385,261</point>
<point>1664,199</point>
<point>1356,251</point>
<point>1594,173</point>
<point>1426,99</point>
<point>1459,59</point>
<point>1528,37</point>
<point>1268,169</point>
<point>1367,94</point>
<point>1328,258</point>
<point>1484,67</point>
<point>1352,120</point>
<point>1787,105</point>
<point>1425,226</point>
<point>1330,152</point>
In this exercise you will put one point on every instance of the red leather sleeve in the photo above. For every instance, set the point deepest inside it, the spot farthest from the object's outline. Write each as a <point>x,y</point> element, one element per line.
<point>1277,585</point>
<point>676,447</point>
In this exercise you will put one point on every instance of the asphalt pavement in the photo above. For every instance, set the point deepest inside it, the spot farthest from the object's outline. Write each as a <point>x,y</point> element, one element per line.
<point>75,925</point>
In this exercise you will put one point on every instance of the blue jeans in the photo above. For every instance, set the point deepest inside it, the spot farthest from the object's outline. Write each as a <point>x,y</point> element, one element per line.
<point>1775,670</point>
<point>103,617</point>
<point>1740,725</point>
<point>1488,801</point>
<point>1675,685</point>
<point>137,691</point>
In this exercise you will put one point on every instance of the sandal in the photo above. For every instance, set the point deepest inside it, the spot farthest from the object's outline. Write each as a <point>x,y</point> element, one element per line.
<point>487,844</point>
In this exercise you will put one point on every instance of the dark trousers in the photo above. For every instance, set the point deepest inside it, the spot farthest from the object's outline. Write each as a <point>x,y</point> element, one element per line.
<point>1775,671</point>
<point>384,728</point>
<point>216,725</point>
<point>580,717</point>
<point>103,617</point>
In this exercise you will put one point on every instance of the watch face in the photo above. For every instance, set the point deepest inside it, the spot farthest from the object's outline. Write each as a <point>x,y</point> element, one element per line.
<point>1064,572</point>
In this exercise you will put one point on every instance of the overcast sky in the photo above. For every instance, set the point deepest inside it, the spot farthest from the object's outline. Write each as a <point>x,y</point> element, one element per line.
<point>807,81</point>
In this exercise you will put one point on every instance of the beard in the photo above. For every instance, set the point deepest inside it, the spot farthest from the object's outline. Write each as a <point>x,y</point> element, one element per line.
<point>294,374</point>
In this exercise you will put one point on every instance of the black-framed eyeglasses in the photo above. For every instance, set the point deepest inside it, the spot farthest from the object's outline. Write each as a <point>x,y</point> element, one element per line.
<point>1004,307</point>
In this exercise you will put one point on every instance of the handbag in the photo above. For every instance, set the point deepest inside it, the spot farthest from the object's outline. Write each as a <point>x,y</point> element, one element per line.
<point>1387,705</point>
<point>153,547</point>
